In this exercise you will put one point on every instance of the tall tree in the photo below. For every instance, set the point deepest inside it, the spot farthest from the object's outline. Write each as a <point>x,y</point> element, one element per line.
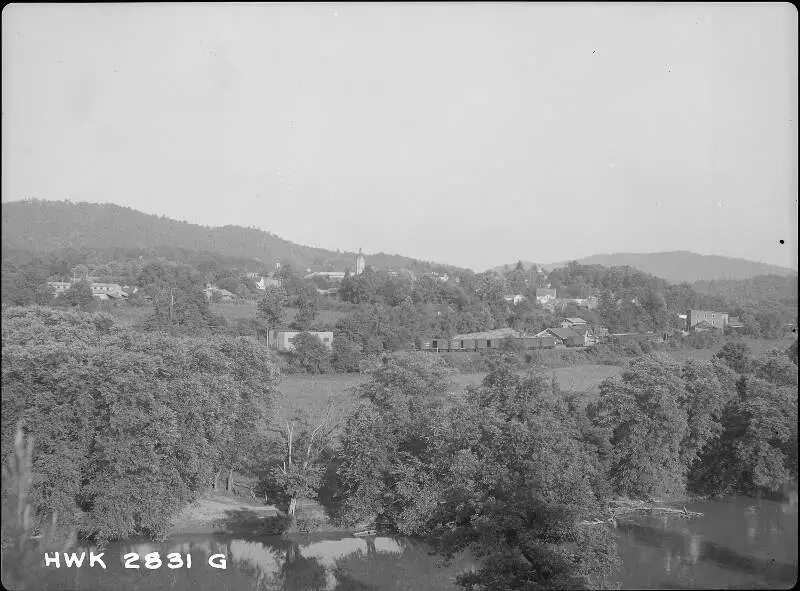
<point>647,424</point>
<point>270,307</point>
<point>80,296</point>
<point>307,312</point>
<point>310,353</point>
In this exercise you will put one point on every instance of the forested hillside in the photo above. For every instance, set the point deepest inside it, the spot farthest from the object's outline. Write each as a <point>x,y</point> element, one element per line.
<point>678,266</point>
<point>774,289</point>
<point>56,226</point>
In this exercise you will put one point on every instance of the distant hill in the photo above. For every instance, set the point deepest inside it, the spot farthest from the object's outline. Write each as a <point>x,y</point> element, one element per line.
<point>42,227</point>
<point>679,265</point>
<point>526,265</point>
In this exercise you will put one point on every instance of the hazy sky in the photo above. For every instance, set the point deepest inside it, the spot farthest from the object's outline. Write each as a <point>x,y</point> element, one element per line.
<point>471,134</point>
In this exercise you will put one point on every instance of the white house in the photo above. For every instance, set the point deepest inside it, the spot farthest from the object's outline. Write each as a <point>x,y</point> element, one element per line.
<point>59,286</point>
<point>515,299</point>
<point>282,339</point>
<point>571,322</point>
<point>545,295</point>
<point>101,291</point>
<point>329,275</point>
<point>265,282</point>
<point>104,291</point>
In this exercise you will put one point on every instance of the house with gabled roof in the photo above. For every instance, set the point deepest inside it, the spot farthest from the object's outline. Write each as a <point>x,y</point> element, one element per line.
<point>571,322</point>
<point>587,332</point>
<point>564,337</point>
<point>704,326</point>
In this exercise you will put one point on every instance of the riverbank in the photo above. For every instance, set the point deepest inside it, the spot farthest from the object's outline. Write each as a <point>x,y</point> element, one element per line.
<point>216,513</point>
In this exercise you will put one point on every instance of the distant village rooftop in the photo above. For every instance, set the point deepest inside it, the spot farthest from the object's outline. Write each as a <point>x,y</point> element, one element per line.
<point>499,333</point>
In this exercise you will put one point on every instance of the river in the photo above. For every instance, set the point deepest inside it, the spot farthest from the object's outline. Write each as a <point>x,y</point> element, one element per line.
<point>740,542</point>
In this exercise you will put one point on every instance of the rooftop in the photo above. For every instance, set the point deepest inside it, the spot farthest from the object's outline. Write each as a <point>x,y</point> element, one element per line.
<point>563,333</point>
<point>499,333</point>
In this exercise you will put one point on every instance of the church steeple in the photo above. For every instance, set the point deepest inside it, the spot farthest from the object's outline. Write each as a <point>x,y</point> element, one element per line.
<point>361,263</point>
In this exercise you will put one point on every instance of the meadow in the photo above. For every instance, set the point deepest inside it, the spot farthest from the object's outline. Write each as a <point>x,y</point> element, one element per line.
<point>234,312</point>
<point>307,391</point>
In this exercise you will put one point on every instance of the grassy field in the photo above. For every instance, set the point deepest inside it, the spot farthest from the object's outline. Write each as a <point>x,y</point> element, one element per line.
<point>248,311</point>
<point>306,391</point>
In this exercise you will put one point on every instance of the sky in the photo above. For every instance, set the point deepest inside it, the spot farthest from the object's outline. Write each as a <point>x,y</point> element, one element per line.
<point>470,134</point>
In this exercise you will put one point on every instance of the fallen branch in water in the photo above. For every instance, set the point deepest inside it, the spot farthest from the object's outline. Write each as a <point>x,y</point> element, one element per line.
<point>624,508</point>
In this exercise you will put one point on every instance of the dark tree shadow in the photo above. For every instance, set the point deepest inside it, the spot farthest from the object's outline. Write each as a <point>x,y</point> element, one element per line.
<point>247,523</point>
<point>328,495</point>
<point>301,573</point>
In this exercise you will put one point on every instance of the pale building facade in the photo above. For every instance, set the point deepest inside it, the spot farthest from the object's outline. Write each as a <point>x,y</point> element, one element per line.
<point>361,262</point>
<point>281,340</point>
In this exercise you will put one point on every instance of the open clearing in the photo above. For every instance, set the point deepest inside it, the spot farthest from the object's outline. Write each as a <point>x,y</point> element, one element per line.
<point>306,391</point>
<point>303,390</point>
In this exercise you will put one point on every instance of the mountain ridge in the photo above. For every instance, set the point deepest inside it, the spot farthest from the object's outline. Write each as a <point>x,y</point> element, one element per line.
<point>42,227</point>
<point>678,266</point>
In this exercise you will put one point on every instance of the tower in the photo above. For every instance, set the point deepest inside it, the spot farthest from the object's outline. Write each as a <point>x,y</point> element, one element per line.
<point>361,262</point>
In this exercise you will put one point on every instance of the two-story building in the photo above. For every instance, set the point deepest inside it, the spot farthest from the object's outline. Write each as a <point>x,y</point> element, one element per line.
<point>717,320</point>
<point>545,295</point>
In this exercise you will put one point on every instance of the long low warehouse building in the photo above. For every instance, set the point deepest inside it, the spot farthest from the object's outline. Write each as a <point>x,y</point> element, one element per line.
<point>492,339</point>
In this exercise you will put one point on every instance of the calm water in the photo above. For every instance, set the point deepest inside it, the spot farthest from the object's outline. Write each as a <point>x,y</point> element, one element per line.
<point>739,543</point>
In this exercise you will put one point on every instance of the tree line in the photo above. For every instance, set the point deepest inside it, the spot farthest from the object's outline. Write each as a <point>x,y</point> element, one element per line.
<point>509,468</point>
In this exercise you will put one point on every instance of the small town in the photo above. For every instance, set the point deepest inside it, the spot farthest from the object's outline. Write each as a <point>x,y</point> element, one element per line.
<point>572,332</point>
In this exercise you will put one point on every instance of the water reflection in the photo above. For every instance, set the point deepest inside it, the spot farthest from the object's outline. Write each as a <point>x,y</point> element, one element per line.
<point>308,564</point>
<point>717,550</point>
<point>694,548</point>
<point>739,542</point>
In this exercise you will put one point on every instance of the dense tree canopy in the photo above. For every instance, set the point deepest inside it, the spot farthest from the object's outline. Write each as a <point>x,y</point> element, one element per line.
<point>488,473</point>
<point>128,426</point>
